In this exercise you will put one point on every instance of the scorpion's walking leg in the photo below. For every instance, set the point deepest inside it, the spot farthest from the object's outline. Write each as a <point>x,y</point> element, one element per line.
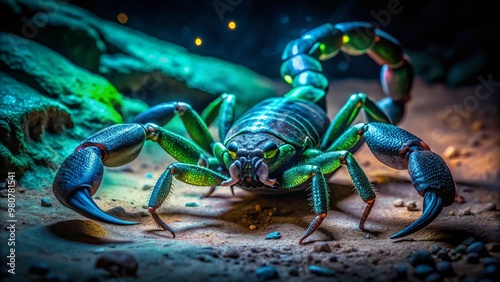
<point>400,149</point>
<point>315,169</point>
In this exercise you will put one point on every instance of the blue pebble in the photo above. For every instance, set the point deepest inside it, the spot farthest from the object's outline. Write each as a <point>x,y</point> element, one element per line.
<point>192,204</point>
<point>266,273</point>
<point>273,235</point>
<point>149,175</point>
<point>321,270</point>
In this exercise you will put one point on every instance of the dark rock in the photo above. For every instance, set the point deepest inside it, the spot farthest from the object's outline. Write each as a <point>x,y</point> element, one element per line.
<point>293,271</point>
<point>443,254</point>
<point>435,249</point>
<point>460,249</point>
<point>445,268</point>
<point>273,235</point>
<point>468,241</point>
<point>422,257</point>
<point>232,253</point>
<point>477,247</point>
<point>46,202</point>
<point>401,272</point>
<point>472,258</point>
<point>266,272</point>
<point>421,271</point>
<point>323,271</point>
<point>322,247</point>
<point>433,277</point>
<point>118,264</point>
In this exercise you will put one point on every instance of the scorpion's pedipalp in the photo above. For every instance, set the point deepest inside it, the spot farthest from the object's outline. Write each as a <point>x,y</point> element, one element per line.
<point>433,204</point>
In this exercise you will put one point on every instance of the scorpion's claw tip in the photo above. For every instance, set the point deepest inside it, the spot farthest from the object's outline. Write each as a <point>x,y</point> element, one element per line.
<point>82,203</point>
<point>433,204</point>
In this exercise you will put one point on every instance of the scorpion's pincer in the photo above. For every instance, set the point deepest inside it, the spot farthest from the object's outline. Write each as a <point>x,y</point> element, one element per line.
<point>81,173</point>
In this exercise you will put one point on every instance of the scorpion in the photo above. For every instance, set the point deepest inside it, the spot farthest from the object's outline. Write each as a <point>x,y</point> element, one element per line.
<point>280,143</point>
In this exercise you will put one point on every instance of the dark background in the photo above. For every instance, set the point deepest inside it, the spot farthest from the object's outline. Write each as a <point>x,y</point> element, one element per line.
<point>449,41</point>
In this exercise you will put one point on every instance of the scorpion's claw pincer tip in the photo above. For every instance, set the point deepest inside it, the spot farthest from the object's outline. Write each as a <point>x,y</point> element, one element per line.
<point>433,204</point>
<point>82,203</point>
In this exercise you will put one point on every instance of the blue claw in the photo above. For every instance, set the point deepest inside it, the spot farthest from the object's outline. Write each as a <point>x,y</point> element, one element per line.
<point>433,204</point>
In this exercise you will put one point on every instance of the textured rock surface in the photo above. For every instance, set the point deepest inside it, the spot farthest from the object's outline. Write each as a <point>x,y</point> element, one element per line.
<point>65,71</point>
<point>139,65</point>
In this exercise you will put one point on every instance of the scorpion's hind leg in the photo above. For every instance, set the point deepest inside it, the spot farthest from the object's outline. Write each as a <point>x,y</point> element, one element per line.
<point>429,173</point>
<point>81,173</point>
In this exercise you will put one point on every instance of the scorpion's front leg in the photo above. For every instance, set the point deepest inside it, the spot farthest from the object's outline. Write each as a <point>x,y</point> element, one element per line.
<point>400,149</point>
<point>187,173</point>
<point>315,168</point>
<point>80,174</point>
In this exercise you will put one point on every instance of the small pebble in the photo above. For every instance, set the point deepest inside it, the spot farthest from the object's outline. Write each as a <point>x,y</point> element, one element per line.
<point>40,268</point>
<point>435,249</point>
<point>451,152</point>
<point>421,271</point>
<point>401,272</point>
<point>466,211</point>
<point>292,270</point>
<point>148,175</point>
<point>273,235</point>
<point>118,264</point>
<point>411,206</point>
<point>398,203</point>
<point>322,247</point>
<point>460,249</point>
<point>321,270</point>
<point>451,213</point>
<point>489,207</point>
<point>46,202</point>
<point>443,254</point>
<point>21,189</point>
<point>445,268</point>
<point>493,247</point>
<point>433,277</point>
<point>472,258</point>
<point>252,227</point>
<point>459,199</point>
<point>266,273</point>
<point>478,248</point>
<point>258,208</point>
<point>477,125</point>
<point>192,204</point>
<point>147,187</point>
<point>491,261</point>
<point>421,257</point>
<point>231,253</point>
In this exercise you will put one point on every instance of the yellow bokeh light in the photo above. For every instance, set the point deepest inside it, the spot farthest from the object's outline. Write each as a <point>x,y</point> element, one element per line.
<point>122,18</point>
<point>345,39</point>
<point>198,41</point>
<point>231,25</point>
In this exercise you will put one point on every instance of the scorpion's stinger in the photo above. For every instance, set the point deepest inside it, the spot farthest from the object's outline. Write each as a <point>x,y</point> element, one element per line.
<point>433,204</point>
<point>82,203</point>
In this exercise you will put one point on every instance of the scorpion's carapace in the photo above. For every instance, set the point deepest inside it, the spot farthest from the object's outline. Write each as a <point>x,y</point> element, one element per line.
<point>279,144</point>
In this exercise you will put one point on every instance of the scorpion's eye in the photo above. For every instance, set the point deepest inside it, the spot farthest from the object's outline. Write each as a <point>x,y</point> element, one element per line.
<point>232,149</point>
<point>270,150</point>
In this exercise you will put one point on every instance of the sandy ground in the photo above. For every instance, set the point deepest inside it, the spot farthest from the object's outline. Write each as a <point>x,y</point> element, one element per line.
<point>214,241</point>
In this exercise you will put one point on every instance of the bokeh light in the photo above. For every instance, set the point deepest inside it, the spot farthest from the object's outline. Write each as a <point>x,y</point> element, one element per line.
<point>231,25</point>
<point>198,41</point>
<point>122,18</point>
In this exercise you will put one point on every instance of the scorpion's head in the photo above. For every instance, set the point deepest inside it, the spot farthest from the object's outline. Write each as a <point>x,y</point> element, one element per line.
<point>249,166</point>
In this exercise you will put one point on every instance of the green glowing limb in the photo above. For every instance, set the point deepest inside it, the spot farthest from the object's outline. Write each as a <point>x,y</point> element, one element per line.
<point>348,139</point>
<point>195,126</point>
<point>187,173</point>
<point>222,108</point>
<point>326,163</point>
<point>179,147</point>
<point>348,113</point>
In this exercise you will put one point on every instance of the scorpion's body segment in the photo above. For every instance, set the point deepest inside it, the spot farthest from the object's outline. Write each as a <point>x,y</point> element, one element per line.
<point>279,144</point>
